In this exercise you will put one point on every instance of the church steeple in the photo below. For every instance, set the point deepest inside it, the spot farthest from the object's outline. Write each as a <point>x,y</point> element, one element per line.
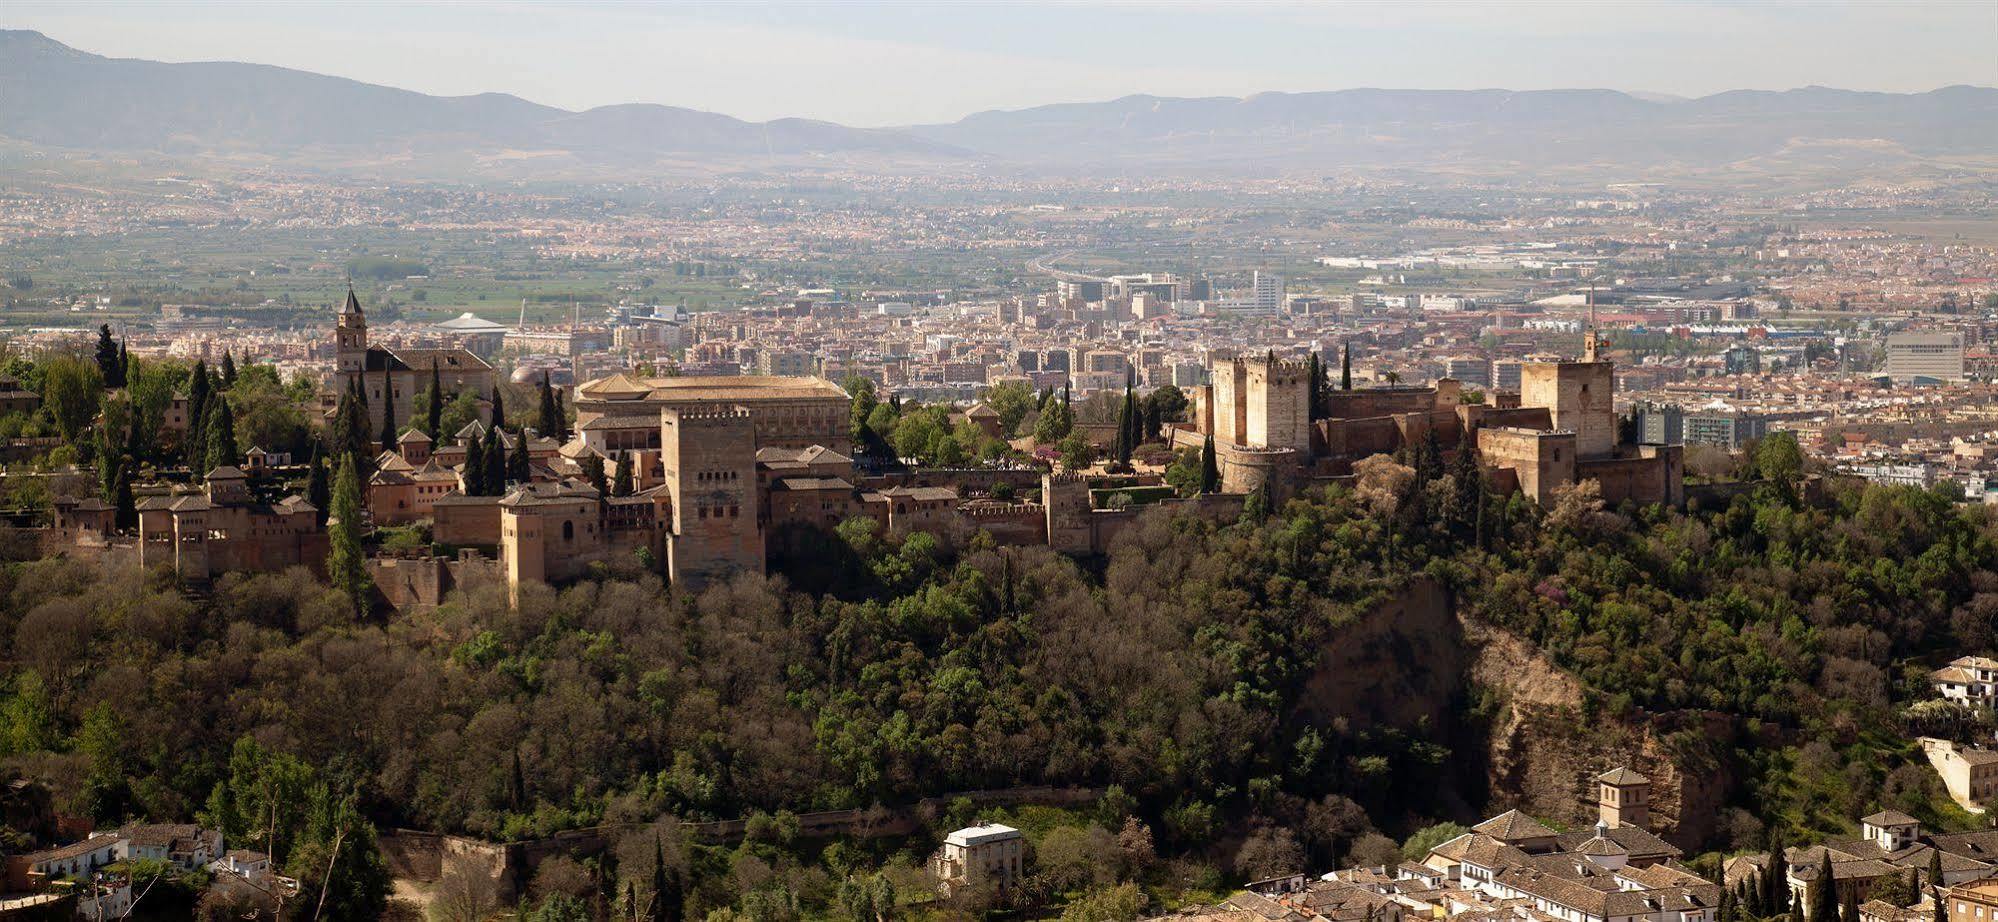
<point>350,313</point>
<point>350,337</point>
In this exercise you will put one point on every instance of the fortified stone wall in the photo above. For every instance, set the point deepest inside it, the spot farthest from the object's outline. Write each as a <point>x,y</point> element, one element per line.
<point>1656,474</point>
<point>1008,523</point>
<point>1541,460</point>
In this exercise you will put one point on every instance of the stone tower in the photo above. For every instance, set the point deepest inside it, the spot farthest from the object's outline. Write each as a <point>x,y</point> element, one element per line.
<point>1623,798</point>
<point>1581,398</point>
<point>1260,401</point>
<point>709,457</point>
<point>350,339</point>
<point>1065,497</point>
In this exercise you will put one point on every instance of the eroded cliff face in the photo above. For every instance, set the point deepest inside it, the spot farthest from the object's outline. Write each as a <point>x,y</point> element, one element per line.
<point>1546,750</point>
<point>1420,658</point>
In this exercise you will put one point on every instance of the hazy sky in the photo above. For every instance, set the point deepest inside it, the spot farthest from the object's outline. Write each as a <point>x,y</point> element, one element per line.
<point>902,63</point>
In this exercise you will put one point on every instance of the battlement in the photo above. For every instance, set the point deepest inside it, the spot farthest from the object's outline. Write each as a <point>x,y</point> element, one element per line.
<point>983,510</point>
<point>1068,477</point>
<point>709,414</point>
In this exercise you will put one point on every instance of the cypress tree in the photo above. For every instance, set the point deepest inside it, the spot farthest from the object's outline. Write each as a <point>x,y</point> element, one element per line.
<point>135,442</point>
<point>495,458</point>
<point>124,365</point>
<point>388,438</point>
<point>194,446</point>
<point>561,417</point>
<point>475,467</point>
<point>107,358</point>
<point>1346,367</point>
<point>520,465</point>
<point>499,408</point>
<point>1210,468</point>
<point>1775,886</point>
<point>126,507</point>
<point>1941,909</point>
<point>228,369</point>
<point>622,485</point>
<point>551,414</point>
<point>436,419</point>
<point>1849,905</point>
<point>593,471</point>
<point>318,488</point>
<point>1824,893</point>
<point>346,564</point>
<point>665,896</point>
<point>222,436</point>
<point>1935,867</point>
<point>108,467</point>
<point>1125,427</point>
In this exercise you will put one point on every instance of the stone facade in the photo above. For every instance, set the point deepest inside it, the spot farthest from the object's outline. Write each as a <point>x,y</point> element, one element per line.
<point>224,529</point>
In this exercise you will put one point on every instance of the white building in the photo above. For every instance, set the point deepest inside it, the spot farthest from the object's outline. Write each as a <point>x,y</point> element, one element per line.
<point>981,854</point>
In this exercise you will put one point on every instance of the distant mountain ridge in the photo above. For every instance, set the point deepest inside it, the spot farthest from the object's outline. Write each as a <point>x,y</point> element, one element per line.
<point>1369,126</point>
<point>57,96</point>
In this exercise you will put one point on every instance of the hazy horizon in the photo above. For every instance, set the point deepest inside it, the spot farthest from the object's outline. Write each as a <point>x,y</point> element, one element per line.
<point>900,64</point>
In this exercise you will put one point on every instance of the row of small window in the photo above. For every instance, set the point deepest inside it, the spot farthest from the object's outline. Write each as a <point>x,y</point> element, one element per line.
<point>732,512</point>
<point>716,475</point>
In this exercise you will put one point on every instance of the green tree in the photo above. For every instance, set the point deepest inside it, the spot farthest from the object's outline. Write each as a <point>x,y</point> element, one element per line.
<point>499,408</point>
<point>1076,452</point>
<point>339,865</point>
<point>109,370</point>
<point>551,422</point>
<point>520,464</point>
<point>475,467</point>
<point>1012,400</point>
<point>1055,423</point>
<point>434,412</point>
<point>346,562</point>
<point>1210,468</point>
<point>71,391</point>
<point>593,471</point>
<point>1824,893</point>
<point>495,461</point>
<point>1346,366</point>
<point>319,486</point>
<point>389,433</point>
<point>221,429</point>
<point>195,445</point>
<point>106,790</point>
<point>228,369</point>
<point>622,486</point>
<point>1779,458</point>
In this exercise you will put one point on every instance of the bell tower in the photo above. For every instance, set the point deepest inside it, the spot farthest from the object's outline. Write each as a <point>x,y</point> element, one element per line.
<point>350,338</point>
<point>1623,798</point>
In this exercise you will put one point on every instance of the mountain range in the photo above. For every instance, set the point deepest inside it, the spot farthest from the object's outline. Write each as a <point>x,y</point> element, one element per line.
<point>55,96</point>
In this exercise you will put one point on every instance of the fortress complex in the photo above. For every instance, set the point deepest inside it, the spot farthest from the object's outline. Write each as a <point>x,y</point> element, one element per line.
<point>1560,428</point>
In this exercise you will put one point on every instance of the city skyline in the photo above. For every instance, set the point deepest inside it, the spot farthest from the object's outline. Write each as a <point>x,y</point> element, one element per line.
<point>902,64</point>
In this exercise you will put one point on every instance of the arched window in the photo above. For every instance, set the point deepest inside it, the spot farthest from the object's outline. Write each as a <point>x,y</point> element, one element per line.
<point>568,531</point>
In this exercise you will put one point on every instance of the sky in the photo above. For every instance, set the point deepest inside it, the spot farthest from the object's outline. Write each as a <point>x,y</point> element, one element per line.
<point>877,64</point>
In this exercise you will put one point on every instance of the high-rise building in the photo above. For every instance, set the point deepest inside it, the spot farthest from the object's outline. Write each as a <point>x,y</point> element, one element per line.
<point>1267,292</point>
<point>1924,356</point>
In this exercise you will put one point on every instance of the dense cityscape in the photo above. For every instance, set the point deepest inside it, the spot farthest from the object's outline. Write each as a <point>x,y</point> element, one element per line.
<point>877,524</point>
